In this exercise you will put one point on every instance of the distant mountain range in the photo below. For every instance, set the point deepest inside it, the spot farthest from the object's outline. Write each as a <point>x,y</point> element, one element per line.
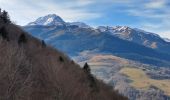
<point>138,36</point>
<point>113,53</point>
<point>122,41</point>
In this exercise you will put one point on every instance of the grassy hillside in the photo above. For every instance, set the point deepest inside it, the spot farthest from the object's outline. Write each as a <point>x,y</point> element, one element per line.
<point>31,70</point>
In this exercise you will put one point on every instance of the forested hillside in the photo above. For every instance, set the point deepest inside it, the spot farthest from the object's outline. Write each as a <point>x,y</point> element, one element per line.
<point>32,70</point>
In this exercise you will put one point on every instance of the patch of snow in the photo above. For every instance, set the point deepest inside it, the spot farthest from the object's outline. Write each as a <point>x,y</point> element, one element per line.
<point>167,40</point>
<point>49,20</point>
<point>102,28</point>
<point>114,30</point>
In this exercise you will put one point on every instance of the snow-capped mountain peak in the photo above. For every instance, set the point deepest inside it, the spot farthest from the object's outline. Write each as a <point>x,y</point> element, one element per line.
<point>125,30</point>
<point>48,20</point>
<point>116,29</point>
<point>122,29</point>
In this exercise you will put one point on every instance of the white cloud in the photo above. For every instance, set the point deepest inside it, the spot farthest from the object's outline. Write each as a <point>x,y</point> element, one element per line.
<point>25,11</point>
<point>161,28</point>
<point>155,4</point>
<point>165,34</point>
<point>144,13</point>
<point>84,2</point>
<point>155,16</point>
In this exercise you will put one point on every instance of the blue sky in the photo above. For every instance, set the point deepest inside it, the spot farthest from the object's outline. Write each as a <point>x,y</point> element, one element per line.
<point>149,15</point>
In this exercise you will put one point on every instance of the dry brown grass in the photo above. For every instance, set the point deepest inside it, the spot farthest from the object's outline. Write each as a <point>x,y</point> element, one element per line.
<point>100,60</point>
<point>142,81</point>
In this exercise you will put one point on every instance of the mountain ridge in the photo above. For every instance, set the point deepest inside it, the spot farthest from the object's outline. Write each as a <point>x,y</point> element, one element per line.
<point>56,18</point>
<point>129,38</point>
<point>135,35</point>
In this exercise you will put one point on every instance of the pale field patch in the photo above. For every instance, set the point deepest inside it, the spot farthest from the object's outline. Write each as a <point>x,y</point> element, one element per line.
<point>141,81</point>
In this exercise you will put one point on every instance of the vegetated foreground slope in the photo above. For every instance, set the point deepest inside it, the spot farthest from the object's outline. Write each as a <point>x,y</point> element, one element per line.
<point>30,70</point>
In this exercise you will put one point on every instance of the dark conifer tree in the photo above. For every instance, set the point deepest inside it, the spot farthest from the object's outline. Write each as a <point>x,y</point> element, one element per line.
<point>43,43</point>
<point>92,82</point>
<point>4,33</point>
<point>61,59</point>
<point>22,39</point>
<point>86,68</point>
<point>5,17</point>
